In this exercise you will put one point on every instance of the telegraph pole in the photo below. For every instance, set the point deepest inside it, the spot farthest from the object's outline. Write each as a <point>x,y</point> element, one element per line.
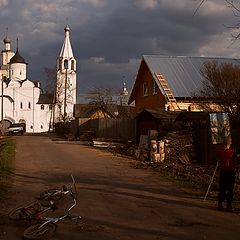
<point>2,130</point>
<point>65,91</point>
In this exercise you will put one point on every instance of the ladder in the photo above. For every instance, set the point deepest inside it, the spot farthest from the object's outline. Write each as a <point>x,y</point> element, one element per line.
<point>168,93</point>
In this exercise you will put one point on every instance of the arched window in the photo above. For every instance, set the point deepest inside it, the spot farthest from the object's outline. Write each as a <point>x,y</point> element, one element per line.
<point>29,105</point>
<point>21,105</point>
<point>72,65</point>
<point>50,107</point>
<point>42,107</point>
<point>41,126</point>
<point>65,64</point>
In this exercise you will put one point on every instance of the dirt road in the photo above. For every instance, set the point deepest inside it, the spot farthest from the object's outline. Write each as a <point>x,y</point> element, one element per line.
<point>118,201</point>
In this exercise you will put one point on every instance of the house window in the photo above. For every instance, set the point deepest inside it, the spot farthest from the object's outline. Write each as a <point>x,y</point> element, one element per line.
<point>21,105</point>
<point>154,87</point>
<point>41,126</point>
<point>50,107</point>
<point>20,72</point>
<point>29,105</point>
<point>42,107</point>
<point>145,89</point>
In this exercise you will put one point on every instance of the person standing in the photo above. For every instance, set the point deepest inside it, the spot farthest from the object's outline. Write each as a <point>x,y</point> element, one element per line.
<point>226,159</point>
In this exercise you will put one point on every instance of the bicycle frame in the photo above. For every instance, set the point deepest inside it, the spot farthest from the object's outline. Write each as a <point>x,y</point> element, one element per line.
<point>54,220</point>
<point>48,220</point>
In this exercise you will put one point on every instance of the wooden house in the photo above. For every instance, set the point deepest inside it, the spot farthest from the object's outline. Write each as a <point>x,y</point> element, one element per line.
<point>170,83</point>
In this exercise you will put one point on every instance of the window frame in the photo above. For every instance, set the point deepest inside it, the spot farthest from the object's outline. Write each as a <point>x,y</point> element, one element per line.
<point>145,89</point>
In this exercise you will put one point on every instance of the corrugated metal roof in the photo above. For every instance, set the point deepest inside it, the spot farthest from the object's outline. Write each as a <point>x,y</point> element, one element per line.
<point>182,73</point>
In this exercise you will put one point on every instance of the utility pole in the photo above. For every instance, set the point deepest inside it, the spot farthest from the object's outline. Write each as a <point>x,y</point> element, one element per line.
<point>2,130</point>
<point>65,91</point>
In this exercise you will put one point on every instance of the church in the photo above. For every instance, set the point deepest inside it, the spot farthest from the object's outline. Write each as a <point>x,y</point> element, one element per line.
<point>23,100</point>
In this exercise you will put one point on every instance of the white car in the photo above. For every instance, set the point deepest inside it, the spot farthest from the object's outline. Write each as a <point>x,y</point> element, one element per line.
<point>15,128</point>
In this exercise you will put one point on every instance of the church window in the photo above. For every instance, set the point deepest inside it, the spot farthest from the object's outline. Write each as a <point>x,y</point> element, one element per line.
<point>72,65</point>
<point>20,72</point>
<point>65,64</point>
<point>50,107</point>
<point>21,105</point>
<point>41,126</point>
<point>145,89</point>
<point>29,105</point>
<point>31,126</point>
<point>42,107</point>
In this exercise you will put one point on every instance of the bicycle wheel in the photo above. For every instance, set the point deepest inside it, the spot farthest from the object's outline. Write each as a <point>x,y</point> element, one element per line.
<point>37,231</point>
<point>18,214</point>
<point>49,195</point>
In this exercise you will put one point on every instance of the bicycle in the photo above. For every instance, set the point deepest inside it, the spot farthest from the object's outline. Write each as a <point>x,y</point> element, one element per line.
<point>32,211</point>
<point>47,225</point>
<point>45,202</point>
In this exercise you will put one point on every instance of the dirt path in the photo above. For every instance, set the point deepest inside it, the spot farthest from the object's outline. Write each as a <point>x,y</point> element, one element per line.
<point>117,201</point>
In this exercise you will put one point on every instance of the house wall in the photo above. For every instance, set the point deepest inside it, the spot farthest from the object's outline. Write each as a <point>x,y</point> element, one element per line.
<point>151,100</point>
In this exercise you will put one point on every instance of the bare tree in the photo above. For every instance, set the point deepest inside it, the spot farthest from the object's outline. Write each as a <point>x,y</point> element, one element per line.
<point>198,7</point>
<point>104,98</point>
<point>222,84</point>
<point>50,79</point>
<point>101,96</point>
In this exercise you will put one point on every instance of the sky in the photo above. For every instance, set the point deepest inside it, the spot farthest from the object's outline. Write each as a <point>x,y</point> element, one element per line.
<point>109,37</point>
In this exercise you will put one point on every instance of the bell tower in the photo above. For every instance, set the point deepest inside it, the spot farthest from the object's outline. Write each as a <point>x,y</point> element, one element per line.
<point>6,55</point>
<point>66,87</point>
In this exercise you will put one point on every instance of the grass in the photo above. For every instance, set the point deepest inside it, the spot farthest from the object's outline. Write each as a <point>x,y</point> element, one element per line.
<point>7,155</point>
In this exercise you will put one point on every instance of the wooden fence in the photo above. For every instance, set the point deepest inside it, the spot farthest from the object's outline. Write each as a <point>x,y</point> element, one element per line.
<point>109,128</point>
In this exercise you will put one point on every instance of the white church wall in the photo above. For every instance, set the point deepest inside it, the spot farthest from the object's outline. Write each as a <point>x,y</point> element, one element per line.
<point>18,71</point>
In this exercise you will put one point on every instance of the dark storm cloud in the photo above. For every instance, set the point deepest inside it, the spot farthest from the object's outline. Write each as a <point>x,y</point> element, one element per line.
<point>109,36</point>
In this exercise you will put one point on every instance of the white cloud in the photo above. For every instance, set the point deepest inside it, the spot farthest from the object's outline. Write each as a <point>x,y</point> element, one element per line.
<point>3,3</point>
<point>221,45</point>
<point>98,59</point>
<point>94,3</point>
<point>146,4</point>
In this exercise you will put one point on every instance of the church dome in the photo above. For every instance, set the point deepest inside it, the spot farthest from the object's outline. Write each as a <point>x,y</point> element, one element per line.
<point>17,58</point>
<point>67,29</point>
<point>7,39</point>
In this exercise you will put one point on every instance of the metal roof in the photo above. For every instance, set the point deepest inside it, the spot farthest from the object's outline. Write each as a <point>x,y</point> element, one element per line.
<point>45,98</point>
<point>182,73</point>
<point>158,114</point>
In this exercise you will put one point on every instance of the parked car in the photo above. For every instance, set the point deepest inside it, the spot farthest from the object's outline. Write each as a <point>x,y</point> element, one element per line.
<point>15,128</point>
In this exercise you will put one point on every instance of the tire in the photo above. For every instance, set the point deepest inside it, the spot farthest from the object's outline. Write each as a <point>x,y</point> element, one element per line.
<point>49,195</point>
<point>18,214</point>
<point>35,232</point>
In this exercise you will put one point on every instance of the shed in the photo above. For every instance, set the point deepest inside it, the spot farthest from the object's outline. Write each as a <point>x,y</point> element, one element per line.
<point>198,123</point>
<point>154,119</point>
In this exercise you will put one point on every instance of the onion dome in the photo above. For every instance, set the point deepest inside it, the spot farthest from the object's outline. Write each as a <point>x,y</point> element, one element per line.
<point>17,58</point>
<point>67,29</point>
<point>7,39</point>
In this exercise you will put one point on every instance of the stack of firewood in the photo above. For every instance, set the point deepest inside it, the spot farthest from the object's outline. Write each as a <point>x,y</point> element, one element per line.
<point>179,148</point>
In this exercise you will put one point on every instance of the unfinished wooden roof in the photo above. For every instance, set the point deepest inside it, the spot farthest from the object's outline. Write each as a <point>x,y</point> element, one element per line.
<point>181,73</point>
